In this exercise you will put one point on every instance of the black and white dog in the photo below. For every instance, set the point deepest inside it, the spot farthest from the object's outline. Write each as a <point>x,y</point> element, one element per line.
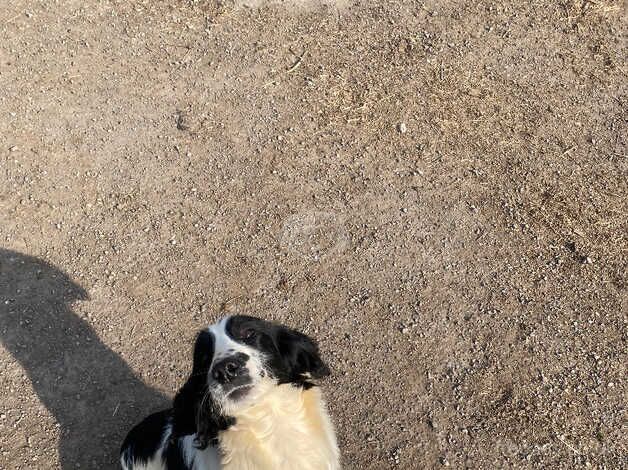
<point>249,404</point>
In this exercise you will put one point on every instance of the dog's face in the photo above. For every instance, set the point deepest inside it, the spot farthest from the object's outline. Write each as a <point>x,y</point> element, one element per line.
<point>237,361</point>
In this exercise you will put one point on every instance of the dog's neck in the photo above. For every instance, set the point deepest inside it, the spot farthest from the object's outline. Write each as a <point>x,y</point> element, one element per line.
<point>287,428</point>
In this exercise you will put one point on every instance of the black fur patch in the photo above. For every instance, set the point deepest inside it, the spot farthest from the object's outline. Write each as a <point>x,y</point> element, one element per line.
<point>293,356</point>
<point>144,439</point>
<point>173,456</point>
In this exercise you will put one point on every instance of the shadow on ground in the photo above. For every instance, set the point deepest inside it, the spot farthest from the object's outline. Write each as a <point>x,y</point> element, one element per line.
<point>86,386</point>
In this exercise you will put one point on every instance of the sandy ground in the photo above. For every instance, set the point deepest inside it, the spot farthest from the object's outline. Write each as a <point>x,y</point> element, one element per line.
<point>436,191</point>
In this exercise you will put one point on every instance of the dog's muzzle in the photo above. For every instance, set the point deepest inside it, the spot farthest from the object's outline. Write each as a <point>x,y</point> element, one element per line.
<point>232,374</point>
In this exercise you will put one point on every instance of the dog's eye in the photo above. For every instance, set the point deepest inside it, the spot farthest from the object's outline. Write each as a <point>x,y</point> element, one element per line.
<point>247,333</point>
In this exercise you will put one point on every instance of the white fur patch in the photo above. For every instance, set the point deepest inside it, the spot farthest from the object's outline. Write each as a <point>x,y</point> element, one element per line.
<point>287,428</point>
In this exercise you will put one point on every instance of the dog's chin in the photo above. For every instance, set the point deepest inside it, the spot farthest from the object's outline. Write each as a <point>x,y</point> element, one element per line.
<point>239,393</point>
<point>235,399</point>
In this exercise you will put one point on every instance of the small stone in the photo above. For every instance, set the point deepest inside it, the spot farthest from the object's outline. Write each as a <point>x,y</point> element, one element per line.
<point>13,148</point>
<point>402,128</point>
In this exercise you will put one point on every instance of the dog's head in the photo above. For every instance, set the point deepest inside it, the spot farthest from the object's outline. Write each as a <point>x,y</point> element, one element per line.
<point>236,362</point>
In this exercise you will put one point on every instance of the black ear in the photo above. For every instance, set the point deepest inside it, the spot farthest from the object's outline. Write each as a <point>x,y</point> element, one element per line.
<point>195,412</point>
<point>185,408</point>
<point>301,356</point>
<point>193,408</point>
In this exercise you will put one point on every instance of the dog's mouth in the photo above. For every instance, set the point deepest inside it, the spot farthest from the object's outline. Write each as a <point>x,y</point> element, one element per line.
<point>239,392</point>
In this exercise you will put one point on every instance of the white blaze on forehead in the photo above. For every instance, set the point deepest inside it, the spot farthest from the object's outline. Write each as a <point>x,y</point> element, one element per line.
<point>225,346</point>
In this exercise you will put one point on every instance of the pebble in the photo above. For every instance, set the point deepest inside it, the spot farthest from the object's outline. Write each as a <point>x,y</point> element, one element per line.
<point>402,128</point>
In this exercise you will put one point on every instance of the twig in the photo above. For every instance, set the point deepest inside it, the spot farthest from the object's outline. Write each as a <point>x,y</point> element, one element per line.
<point>183,46</point>
<point>567,444</point>
<point>570,149</point>
<point>11,19</point>
<point>297,63</point>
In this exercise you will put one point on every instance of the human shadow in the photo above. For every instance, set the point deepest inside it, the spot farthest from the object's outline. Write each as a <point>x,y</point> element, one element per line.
<point>92,393</point>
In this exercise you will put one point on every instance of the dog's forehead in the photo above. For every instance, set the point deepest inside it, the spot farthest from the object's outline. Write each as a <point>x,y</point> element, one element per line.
<point>222,340</point>
<point>224,344</point>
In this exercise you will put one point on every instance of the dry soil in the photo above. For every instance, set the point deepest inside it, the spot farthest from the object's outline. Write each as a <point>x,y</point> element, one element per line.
<point>436,191</point>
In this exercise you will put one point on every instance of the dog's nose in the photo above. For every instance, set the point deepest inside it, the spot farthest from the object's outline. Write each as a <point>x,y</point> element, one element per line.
<point>226,370</point>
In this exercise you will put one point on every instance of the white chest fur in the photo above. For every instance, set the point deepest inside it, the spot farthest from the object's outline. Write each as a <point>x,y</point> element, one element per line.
<point>288,429</point>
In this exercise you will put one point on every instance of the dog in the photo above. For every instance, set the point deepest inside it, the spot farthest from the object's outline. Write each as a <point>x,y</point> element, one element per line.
<point>250,403</point>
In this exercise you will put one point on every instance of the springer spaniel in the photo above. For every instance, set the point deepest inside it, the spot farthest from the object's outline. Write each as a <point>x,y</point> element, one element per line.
<point>249,404</point>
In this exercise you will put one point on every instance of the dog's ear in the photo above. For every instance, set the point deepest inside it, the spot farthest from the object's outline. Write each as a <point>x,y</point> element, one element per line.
<point>195,412</point>
<point>300,355</point>
<point>193,409</point>
<point>188,398</point>
<point>185,408</point>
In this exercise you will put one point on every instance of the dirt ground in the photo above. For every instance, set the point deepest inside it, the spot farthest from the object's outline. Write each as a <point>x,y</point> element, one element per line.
<point>436,191</point>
